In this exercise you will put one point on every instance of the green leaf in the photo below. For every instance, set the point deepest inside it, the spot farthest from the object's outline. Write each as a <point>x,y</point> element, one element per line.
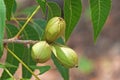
<point>29,34</point>
<point>14,6</point>
<point>22,51</point>
<point>18,49</point>
<point>7,65</point>
<point>27,59</point>
<point>9,79</point>
<point>42,69</point>
<point>39,26</point>
<point>9,8</point>
<point>42,4</point>
<point>85,65</point>
<point>64,71</point>
<point>2,24</point>
<point>53,10</point>
<point>2,65</point>
<point>99,12</point>
<point>28,11</point>
<point>72,12</point>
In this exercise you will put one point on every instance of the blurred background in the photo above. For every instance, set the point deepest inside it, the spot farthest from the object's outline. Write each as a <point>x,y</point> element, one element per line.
<point>97,62</point>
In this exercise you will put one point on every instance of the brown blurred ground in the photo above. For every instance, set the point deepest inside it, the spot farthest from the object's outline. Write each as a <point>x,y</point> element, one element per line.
<point>105,54</point>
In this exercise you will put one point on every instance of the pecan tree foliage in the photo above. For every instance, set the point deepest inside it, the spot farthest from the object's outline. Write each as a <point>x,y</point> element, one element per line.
<point>19,34</point>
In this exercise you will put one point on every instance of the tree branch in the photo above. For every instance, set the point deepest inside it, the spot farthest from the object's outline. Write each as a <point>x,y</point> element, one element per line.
<point>19,41</point>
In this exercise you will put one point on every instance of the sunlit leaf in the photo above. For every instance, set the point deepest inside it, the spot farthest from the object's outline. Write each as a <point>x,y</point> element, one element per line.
<point>2,24</point>
<point>72,12</point>
<point>99,12</point>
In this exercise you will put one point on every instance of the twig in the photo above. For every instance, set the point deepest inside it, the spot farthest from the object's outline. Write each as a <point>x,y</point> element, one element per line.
<point>5,41</point>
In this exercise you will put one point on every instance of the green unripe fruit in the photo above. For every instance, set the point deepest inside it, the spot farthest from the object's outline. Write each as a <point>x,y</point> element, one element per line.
<point>41,52</point>
<point>66,56</point>
<point>54,29</point>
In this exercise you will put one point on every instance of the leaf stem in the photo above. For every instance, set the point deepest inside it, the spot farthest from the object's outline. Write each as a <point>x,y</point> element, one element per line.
<point>27,21</point>
<point>12,53</point>
<point>9,73</point>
